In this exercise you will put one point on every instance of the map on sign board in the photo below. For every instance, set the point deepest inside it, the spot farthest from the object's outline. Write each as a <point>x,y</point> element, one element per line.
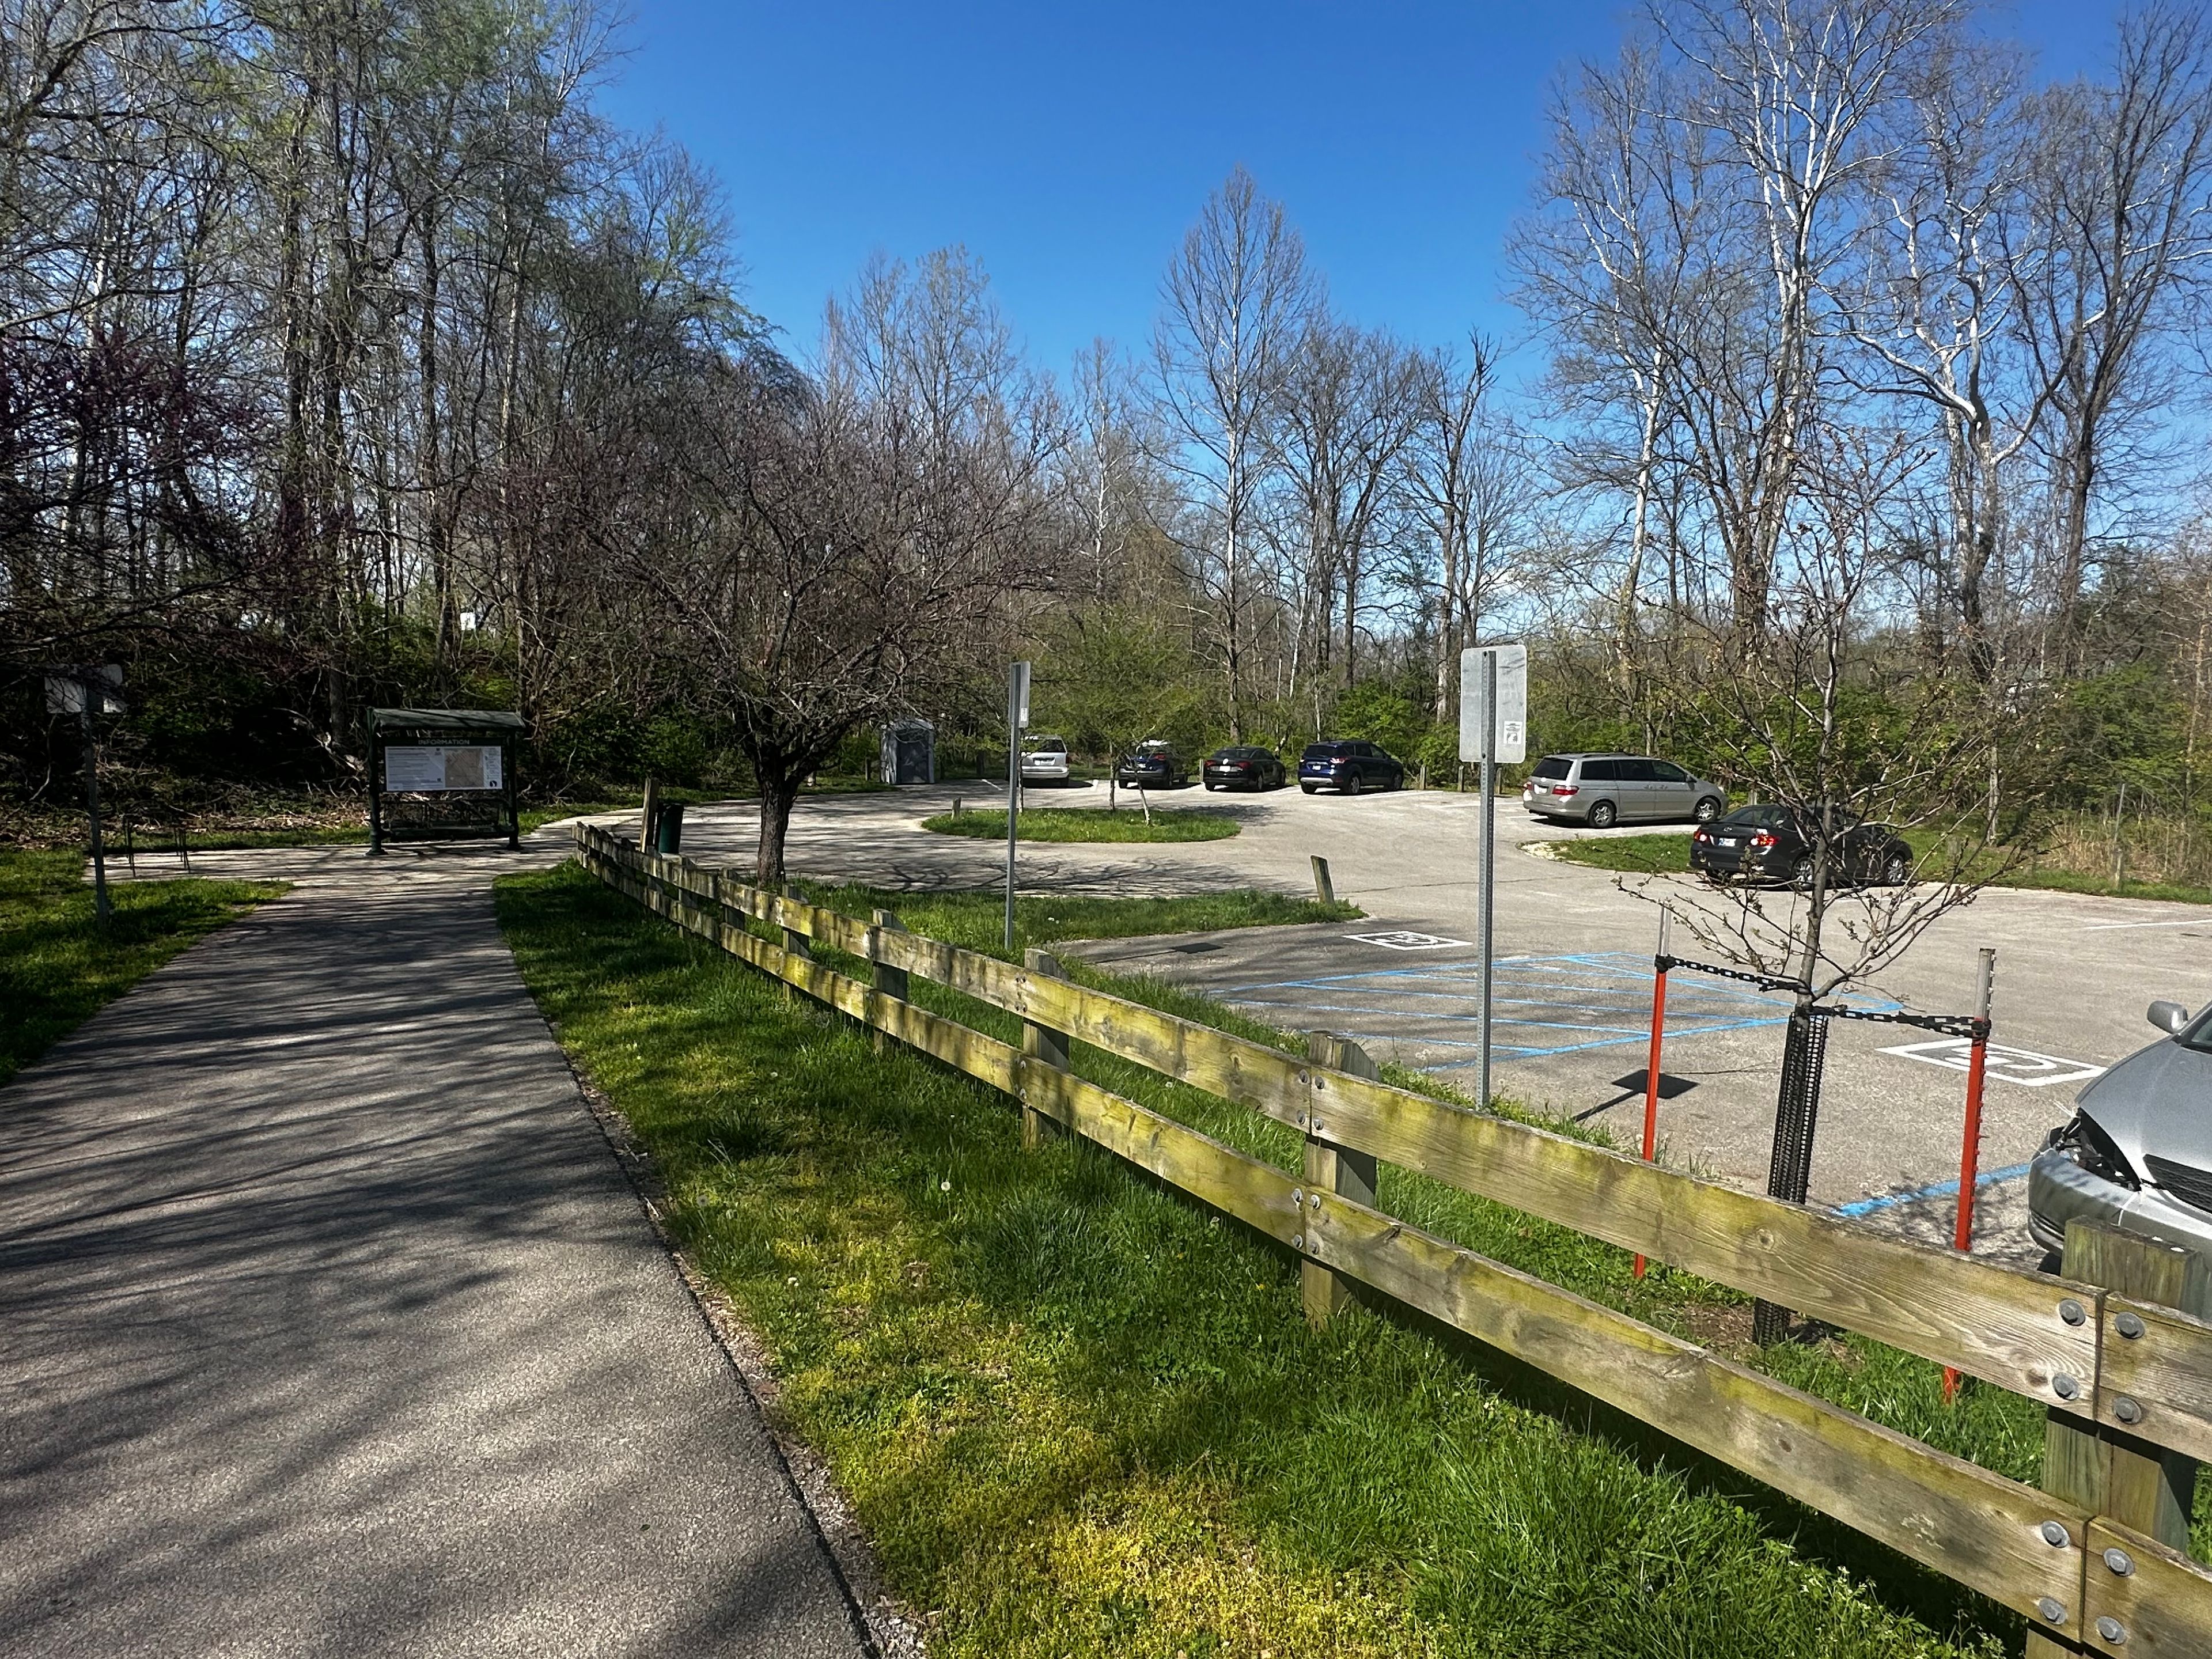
<point>1512,703</point>
<point>425,770</point>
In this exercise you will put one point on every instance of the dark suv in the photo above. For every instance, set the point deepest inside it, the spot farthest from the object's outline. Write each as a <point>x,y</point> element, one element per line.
<point>1350,766</point>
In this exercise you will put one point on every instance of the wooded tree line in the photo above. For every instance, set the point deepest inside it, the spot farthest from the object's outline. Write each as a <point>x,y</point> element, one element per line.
<point>347,355</point>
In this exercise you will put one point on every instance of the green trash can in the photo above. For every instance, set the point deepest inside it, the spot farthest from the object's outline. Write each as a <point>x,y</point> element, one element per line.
<point>668,828</point>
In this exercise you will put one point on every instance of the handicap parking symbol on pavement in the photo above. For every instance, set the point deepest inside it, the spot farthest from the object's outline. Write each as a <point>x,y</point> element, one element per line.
<point>2021,1066</point>
<point>1399,939</point>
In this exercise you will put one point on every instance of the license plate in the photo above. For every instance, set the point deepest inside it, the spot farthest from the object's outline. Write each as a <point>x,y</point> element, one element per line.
<point>1725,840</point>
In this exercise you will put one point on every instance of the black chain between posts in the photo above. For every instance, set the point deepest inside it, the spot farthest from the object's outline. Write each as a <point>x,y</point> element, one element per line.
<point>1959,1025</point>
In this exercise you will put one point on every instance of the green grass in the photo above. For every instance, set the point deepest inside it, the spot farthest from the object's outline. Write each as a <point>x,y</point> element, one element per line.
<point>1640,855</point>
<point>1079,1415</point>
<point>976,919</point>
<point>1670,854</point>
<point>1089,823</point>
<point>57,967</point>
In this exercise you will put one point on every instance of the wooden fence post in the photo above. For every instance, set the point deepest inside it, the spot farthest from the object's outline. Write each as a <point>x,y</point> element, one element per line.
<point>890,981</point>
<point>645,818</point>
<point>1041,1042</point>
<point>1324,888</point>
<point>2106,1470</point>
<point>1332,1168</point>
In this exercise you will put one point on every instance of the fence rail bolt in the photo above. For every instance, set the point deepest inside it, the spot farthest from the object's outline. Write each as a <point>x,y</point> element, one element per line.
<point>2120,1561</point>
<point>2064,1386</point>
<point>2072,1311</point>
<point>2128,1409</point>
<point>2053,1611</point>
<point>2056,1535</point>
<point>2111,1630</point>
<point>2128,1325</point>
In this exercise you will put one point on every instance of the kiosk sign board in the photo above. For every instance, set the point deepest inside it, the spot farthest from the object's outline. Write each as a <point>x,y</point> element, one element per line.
<point>427,769</point>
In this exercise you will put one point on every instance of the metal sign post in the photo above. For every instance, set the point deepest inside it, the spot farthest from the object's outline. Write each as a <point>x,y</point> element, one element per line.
<point>1493,726</point>
<point>84,692</point>
<point>1017,718</point>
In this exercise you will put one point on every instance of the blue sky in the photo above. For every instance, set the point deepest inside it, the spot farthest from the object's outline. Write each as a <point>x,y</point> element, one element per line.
<point>1069,145</point>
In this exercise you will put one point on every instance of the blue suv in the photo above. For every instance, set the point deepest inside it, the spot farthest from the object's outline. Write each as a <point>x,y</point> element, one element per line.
<point>1349,766</point>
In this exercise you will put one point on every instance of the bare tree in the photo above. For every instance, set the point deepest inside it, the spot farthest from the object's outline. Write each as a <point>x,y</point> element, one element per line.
<point>1345,411</point>
<point>1473,483</point>
<point>2119,225</point>
<point>1231,305</point>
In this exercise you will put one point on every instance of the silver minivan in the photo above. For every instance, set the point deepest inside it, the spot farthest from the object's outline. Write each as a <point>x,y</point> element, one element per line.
<point>1603,790</point>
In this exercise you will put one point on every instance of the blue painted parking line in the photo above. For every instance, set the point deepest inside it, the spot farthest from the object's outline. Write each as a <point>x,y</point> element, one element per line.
<point>1592,999</point>
<point>1934,1189</point>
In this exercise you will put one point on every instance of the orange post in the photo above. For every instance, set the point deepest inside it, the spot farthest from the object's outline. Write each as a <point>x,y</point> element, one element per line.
<point>1659,964</point>
<point>1969,1150</point>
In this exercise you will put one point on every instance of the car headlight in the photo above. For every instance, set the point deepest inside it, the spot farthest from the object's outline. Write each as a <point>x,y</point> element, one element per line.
<point>2088,1145</point>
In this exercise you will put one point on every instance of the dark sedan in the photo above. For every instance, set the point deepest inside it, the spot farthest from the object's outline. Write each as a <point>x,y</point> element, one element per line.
<point>1154,765</point>
<point>1243,767</point>
<point>1770,842</point>
<point>1350,766</point>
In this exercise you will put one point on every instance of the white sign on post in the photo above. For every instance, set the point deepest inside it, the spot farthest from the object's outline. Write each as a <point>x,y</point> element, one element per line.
<point>1512,703</point>
<point>69,693</point>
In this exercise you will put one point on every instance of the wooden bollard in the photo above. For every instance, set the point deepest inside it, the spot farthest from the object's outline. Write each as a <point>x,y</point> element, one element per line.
<point>890,981</point>
<point>1332,1168</point>
<point>1324,888</point>
<point>2101,1468</point>
<point>1041,1042</point>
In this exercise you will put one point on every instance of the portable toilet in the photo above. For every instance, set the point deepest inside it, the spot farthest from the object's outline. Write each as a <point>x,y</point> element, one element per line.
<point>909,752</point>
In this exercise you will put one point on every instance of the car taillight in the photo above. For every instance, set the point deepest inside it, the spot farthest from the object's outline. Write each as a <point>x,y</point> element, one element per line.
<point>1762,841</point>
<point>1699,835</point>
<point>1564,790</point>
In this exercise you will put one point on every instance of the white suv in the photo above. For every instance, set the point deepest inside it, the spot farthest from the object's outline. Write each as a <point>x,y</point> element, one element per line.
<point>1044,760</point>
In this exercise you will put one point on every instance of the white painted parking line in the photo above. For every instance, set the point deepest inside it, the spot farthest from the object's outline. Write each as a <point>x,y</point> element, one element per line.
<point>2115,927</point>
<point>1401,940</point>
<point>2021,1066</point>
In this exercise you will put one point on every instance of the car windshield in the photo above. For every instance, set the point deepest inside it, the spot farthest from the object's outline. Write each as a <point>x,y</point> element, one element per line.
<point>2199,1035</point>
<point>1767,817</point>
<point>1552,766</point>
<point>1047,745</point>
<point>1324,750</point>
<point>1242,754</point>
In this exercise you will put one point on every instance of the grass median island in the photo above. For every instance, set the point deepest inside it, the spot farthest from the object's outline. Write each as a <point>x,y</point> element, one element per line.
<point>1070,824</point>
<point>1079,1415</point>
<point>56,966</point>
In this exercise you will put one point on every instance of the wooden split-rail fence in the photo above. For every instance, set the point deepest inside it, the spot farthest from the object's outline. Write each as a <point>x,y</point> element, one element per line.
<point>2093,1560</point>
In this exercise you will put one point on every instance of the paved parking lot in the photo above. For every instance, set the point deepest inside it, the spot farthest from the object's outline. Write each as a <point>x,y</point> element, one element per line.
<point>2074,975</point>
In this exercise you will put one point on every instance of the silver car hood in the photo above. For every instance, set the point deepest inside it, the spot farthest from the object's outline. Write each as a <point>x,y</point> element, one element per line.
<point>2157,1100</point>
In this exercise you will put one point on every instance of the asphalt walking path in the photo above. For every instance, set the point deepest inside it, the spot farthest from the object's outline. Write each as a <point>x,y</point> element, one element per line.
<point>330,1325</point>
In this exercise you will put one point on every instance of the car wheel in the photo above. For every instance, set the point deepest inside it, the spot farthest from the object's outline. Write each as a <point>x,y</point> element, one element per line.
<point>1211,786</point>
<point>1604,816</point>
<point>1896,870</point>
<point>1801,875</point>
<point>1308,787</point>
<point>1706,810</point>
<point>1352,788</point>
